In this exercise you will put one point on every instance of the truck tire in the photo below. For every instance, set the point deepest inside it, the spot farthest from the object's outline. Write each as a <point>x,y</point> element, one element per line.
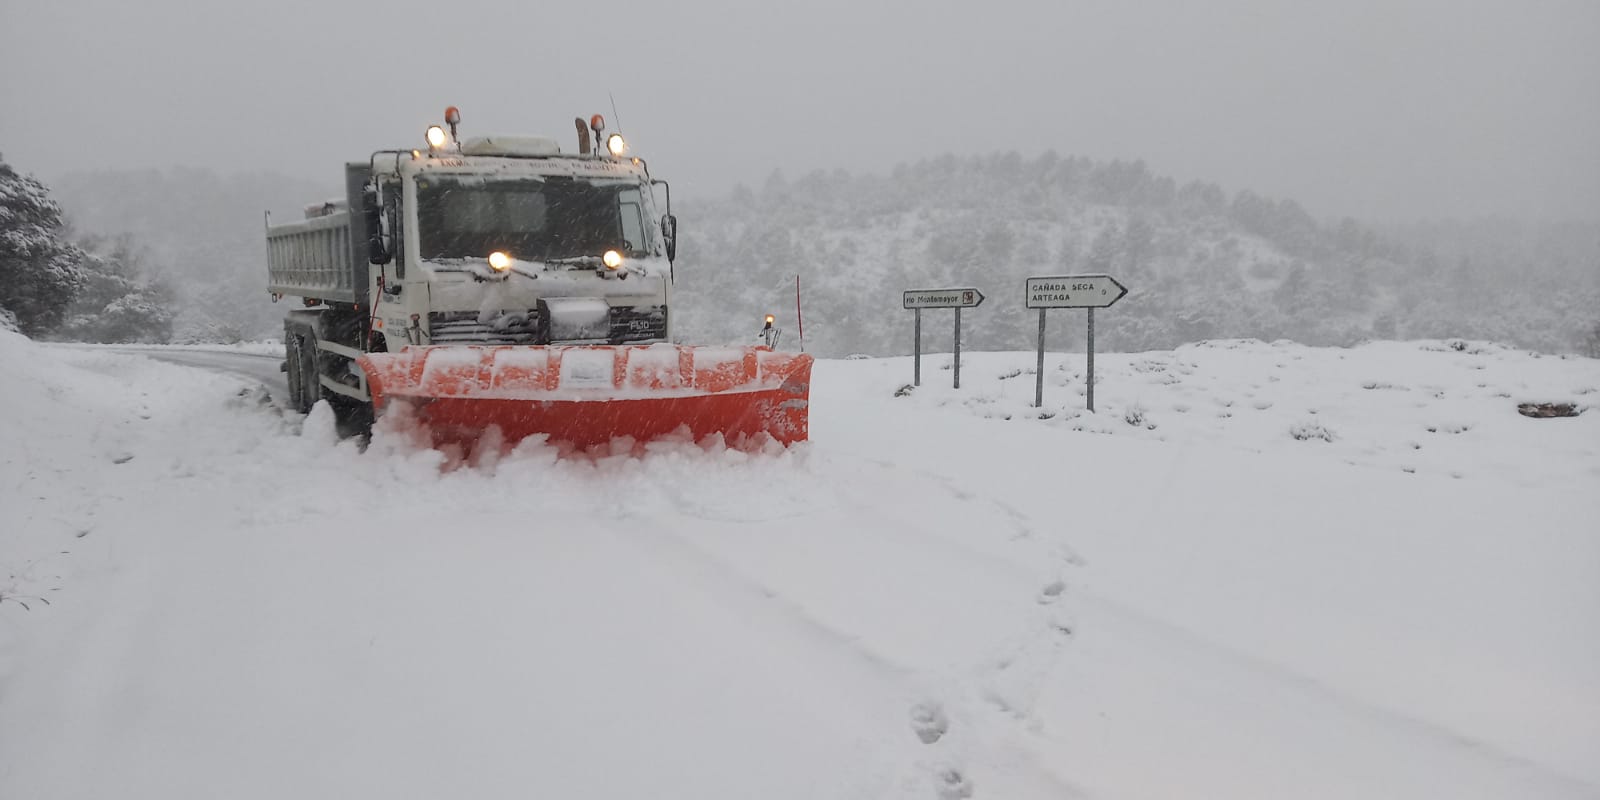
<point>291,370</point>
<point>306,363</point>
<point>300,366</point>
<point>303,388</point>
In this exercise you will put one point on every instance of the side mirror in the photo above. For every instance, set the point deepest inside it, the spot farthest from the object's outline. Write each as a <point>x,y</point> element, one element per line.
<point>377,252</point>
<point>669,234</point>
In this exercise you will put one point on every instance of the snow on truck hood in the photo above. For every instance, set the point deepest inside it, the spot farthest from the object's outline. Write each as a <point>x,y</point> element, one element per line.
<point>552,274</point>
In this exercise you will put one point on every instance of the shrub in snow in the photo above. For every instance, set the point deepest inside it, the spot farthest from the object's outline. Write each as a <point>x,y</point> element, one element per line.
<point>8,321</point>
<point>1547,410</point>
<point>1135,415</point>
<point>1304,431</point>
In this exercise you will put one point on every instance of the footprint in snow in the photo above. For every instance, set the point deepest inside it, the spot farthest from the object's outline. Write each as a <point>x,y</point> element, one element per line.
<point>952,784</point>
<point>1051,592</point>
<point>929,722</point>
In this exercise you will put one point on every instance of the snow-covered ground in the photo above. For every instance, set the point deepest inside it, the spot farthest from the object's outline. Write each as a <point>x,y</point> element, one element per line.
<point>1260,571</point>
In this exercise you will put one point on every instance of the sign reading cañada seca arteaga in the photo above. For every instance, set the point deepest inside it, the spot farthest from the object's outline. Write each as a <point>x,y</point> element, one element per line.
<point>1074,291</point>
<point>1070,291</point>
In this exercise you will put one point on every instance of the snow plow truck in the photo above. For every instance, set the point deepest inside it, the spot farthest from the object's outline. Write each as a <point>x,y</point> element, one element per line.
<point>499,284</point>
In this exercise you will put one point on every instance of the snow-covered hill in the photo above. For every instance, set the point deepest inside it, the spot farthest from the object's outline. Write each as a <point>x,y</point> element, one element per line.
<point>1199,263</point>
<point>1259,571</point>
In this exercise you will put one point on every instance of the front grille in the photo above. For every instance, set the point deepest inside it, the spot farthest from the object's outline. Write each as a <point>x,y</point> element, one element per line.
<point>465,327</point>
<point>627,324</point>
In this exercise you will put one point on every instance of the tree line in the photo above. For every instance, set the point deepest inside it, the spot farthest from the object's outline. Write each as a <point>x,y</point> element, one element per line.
<point>180,255</point>
<point>57,282</point>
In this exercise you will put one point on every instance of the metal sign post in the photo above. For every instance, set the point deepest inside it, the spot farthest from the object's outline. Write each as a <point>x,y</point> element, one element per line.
<point>958,348</point>
<point>918,299</point>
<point>916,352</point>
<point>1038,373</point>
<point>1070,291</point>
<point>1091,359</point>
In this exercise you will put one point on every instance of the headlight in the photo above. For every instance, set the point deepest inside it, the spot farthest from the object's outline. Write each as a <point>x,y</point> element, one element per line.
<point>500,261</point>
<point>616,145</point>
<point>612,259</point>
<point>437,137</point>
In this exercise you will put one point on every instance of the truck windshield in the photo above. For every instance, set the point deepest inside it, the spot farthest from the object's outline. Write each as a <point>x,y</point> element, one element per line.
<point>530,220</point>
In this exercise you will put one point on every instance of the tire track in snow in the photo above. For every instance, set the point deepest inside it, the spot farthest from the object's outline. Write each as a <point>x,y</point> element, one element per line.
<point>693,565</point>
<point>1187,644</point>
<point>1024,661</point>
<point>707,568</point>
<point>1007,680</point>
<point>258,367</point>
<point>1181,638</point>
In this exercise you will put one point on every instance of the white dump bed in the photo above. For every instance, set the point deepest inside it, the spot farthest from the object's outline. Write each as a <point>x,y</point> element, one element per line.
<point>311,258</point>
<point>324,255</point>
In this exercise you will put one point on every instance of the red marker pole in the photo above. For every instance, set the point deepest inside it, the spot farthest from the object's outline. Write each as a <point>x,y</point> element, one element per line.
<point>799,321</point>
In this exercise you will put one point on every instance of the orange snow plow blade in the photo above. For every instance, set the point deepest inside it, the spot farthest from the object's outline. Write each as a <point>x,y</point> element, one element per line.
<point>589,395</point>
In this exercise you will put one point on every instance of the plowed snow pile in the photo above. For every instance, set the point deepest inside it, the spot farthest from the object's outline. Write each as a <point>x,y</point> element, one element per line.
<point>1251,574</point>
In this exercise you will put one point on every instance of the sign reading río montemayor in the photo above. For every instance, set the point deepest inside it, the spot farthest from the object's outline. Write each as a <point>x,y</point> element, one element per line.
<point>942,298</point>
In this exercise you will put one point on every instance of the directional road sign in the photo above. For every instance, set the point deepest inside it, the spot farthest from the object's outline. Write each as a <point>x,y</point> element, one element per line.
<point>1073,291</point>
<point>942,298</point>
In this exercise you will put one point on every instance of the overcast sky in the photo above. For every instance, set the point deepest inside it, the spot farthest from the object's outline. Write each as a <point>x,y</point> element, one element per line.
<point>1381,109</point>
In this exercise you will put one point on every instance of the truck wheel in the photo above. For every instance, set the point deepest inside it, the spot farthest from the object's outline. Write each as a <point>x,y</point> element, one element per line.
<point>310,384</point>
<point>291,371</point>
<point>301,363</point>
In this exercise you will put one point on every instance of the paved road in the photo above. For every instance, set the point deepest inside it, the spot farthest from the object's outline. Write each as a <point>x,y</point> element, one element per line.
<point>264,368</point>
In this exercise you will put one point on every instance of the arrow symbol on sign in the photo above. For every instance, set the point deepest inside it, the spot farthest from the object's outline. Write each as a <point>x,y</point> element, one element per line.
<point>1121,290</point>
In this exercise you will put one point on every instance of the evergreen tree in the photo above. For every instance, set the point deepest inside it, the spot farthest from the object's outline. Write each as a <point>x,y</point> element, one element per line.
<point>40,272</point>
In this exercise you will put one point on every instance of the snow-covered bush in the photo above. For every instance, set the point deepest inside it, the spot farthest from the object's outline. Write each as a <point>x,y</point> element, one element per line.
<point>1136,415</point>
<point>40,272</point>
<point>1306,431</point>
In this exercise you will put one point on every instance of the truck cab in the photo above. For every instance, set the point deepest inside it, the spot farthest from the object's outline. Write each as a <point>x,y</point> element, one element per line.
<point>494,240</point>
